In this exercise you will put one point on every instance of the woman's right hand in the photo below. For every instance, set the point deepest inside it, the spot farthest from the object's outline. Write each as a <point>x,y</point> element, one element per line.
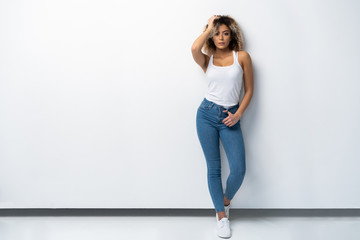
<point>210,24</point>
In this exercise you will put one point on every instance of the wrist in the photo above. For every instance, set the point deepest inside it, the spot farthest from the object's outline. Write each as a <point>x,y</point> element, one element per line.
<point>208,30</point>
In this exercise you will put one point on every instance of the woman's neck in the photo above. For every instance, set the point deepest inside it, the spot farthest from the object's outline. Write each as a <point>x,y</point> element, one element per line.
<point>221,53</point>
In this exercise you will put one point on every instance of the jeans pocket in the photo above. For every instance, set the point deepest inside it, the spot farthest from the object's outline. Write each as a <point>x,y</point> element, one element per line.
<point>205,105</point>
<point>234,110</point>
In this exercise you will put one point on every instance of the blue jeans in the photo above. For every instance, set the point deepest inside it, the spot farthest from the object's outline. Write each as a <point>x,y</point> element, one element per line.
<point>210,128</point>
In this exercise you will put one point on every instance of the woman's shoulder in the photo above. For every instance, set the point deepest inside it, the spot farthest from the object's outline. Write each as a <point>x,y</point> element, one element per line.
<point>243,57</point>
<point>243,54</point>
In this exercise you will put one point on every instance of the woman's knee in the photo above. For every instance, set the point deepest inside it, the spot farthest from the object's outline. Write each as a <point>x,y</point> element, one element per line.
<point>238,171</point>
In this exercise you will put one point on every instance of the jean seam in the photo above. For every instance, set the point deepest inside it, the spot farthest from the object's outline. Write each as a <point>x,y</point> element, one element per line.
<point>211,191</point>
<point>229,184</point>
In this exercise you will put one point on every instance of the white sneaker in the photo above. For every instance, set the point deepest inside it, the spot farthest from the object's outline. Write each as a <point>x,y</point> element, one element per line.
<point>227,210</point>
<point>223,228</point>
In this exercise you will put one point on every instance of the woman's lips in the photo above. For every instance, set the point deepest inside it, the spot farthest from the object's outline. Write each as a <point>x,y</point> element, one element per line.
<point>222,43</point>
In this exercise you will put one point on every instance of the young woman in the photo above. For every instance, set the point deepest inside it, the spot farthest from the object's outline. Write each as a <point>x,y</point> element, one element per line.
<point>218,115</point>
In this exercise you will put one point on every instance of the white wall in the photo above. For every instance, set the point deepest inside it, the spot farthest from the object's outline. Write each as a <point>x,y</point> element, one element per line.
<point>98,101</point>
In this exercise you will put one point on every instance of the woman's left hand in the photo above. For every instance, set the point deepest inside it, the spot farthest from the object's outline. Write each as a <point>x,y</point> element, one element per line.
<point>231,120</point>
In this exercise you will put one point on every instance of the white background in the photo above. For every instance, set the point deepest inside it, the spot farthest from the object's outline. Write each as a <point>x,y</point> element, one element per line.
<point>98,101</point>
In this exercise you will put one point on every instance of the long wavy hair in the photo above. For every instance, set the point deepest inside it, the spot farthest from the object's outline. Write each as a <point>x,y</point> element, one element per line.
<point>237,39</point>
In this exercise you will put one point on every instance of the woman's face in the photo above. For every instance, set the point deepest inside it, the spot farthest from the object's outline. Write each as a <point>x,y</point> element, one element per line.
<point>222,37</point>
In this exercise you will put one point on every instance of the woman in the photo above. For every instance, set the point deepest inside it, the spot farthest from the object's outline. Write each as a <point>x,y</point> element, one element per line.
<point>218,115</point>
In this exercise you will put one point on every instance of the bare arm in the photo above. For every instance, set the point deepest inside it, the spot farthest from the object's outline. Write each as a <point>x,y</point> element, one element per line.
<point>248,83</point>
<point>199,57</point>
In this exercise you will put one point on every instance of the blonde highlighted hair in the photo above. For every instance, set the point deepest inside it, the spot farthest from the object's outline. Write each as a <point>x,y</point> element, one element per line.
<point>237,39</point>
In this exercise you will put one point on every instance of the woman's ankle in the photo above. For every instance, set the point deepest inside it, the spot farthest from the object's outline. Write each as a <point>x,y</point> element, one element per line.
<point>221,214</point>
<point>226,201</point>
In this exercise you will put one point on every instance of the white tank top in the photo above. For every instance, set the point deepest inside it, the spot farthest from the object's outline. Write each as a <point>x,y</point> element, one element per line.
<point>224,83</point>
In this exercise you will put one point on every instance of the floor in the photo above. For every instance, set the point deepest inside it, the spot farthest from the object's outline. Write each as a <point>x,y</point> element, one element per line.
<point>111,224</point>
